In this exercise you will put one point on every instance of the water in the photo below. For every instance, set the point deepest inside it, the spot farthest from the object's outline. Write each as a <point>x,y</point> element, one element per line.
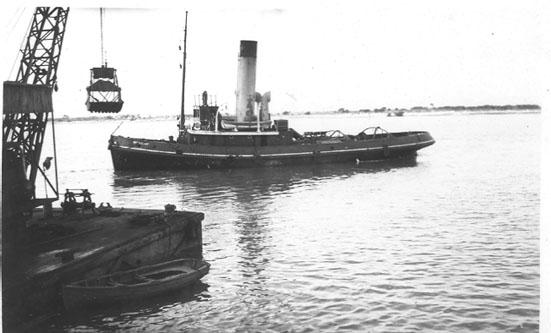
<point>450,243</point>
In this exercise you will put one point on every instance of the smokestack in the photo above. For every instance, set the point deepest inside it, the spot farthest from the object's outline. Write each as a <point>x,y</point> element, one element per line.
<point>246,81</point>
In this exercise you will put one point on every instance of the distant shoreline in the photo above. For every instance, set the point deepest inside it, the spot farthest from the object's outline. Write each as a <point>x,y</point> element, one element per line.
<point>494,109</point>
<point>130,117</point>
<point>415,109</point>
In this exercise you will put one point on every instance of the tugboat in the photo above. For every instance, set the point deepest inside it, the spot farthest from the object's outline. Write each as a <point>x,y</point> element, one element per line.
<point>252,139</point>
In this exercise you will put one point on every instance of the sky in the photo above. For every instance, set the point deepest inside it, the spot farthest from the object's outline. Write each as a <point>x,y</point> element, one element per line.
<point>312,56</point>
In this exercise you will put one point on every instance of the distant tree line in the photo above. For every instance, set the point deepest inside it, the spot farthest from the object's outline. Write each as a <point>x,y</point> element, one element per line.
<point>486,107</point>
<point>113,117</point>
<point>478,107</point>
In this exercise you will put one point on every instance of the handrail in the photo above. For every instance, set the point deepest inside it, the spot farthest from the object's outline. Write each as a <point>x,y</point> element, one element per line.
<point>333,133</point>
<point>375,129</point>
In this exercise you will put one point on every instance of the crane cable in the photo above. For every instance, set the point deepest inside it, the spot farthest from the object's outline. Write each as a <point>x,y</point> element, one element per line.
<point>103,56</point>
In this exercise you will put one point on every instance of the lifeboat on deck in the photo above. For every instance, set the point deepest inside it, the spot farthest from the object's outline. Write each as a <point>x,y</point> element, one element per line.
<point>104,93</point>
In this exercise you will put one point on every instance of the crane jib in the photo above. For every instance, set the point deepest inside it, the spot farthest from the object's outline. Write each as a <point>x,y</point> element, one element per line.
<point>27,102</point>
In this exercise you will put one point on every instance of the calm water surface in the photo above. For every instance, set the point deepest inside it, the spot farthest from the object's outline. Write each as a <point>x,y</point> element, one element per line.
<point>450,243</point>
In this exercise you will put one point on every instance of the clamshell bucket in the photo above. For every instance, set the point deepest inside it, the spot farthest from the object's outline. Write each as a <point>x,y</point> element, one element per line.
<point>104,94</point>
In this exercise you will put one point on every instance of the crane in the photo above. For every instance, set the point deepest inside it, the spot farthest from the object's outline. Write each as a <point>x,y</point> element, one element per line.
<point>27,109</point>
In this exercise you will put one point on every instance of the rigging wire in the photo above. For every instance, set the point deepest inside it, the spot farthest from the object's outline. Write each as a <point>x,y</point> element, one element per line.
<point>20,51</point>
<point>14,21</point>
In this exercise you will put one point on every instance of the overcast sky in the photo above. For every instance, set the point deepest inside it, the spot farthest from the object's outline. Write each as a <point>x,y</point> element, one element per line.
<point>320,56</point>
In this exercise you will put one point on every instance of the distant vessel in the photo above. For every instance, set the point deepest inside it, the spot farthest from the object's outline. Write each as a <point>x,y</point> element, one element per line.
<point>252,139</point>
<point>395,113</point>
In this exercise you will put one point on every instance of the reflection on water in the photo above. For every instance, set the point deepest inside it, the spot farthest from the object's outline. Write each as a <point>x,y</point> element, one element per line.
<point>250,191</point>
<point>243,185</point>
<point>447,242</point>
<point>129,313</point>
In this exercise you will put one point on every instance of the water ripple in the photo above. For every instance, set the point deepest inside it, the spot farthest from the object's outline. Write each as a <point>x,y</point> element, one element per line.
<point>448,243</point>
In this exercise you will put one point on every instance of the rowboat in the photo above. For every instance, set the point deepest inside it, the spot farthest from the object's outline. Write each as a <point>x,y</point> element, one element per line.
<point>134,284</point>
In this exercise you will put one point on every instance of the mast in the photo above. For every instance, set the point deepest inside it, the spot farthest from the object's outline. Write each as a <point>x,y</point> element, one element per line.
<point>182,116</point>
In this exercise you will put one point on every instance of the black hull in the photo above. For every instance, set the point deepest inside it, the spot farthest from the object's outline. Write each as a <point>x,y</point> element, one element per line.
<point>141,154</point>
<point>143,160</point>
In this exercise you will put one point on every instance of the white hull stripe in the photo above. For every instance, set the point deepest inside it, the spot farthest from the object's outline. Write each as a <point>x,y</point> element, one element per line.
<point>287,154</point>
<point>271,155</point>
<point>182,154</point>
<point>375,148</point>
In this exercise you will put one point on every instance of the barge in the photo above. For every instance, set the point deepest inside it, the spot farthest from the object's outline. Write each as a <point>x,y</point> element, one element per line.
<point>252,139</point>
<point>61,249</point>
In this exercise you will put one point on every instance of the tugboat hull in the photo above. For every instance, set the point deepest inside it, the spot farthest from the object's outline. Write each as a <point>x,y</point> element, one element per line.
<point>144,154</point>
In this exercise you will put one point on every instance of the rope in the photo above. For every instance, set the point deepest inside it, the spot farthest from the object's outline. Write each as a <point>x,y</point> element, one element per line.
<point>55,159</point>
<point>117,127</point>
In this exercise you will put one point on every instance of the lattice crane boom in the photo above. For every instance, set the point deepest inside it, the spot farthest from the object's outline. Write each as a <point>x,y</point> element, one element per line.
<point>25,122</point>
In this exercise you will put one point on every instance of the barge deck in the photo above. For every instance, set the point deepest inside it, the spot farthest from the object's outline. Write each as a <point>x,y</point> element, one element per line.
<point>62,249</point>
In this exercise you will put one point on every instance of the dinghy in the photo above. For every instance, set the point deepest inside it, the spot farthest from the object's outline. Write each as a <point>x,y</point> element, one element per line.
<point>134,284</point>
